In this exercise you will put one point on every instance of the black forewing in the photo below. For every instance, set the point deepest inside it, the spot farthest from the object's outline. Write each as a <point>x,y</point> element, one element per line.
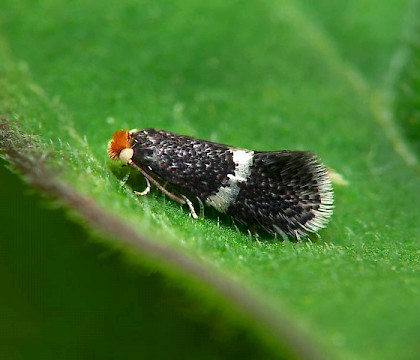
<point>198,166</point>
<point>283,192</point>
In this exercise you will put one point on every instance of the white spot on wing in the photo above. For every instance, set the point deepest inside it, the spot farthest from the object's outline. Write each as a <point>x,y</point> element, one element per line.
<point>228,192</point>
<point>243,161</point>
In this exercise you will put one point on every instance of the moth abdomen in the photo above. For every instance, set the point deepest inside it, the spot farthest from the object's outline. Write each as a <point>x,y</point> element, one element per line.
<point>285,192</point>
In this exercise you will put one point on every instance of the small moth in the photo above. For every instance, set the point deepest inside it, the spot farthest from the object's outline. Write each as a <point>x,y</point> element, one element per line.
<point>283,192</point>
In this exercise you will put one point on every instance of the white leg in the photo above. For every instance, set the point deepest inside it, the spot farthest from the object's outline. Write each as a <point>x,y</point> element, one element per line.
<point>145,191</point>
<point>200,203</point>
<point>190,205</point>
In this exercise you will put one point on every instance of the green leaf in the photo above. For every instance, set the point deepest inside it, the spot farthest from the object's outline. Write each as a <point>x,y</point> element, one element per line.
<point>67,296</point>
<point>339,79</point>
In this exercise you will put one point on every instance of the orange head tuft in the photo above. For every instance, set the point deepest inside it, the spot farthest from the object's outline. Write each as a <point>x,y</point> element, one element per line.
<point>120,140</point>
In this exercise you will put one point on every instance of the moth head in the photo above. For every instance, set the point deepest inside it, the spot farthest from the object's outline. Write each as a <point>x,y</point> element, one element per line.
<point>120,146</point>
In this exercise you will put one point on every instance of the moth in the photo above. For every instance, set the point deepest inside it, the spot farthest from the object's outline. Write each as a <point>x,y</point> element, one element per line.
<point>282,192</point>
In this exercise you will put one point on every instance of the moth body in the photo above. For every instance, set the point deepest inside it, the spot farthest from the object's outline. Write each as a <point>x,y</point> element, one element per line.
<point>283,192</point>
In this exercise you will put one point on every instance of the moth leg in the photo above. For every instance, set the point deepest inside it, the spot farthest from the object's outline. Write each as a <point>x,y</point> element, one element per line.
<point>156,183</point>
<point>190,205</point>
<point>253,232</point>
<point>200,203</point>
<point>182,200</point>
<point>281,233</point>
<point>234,224</point>
<point>145,191</point>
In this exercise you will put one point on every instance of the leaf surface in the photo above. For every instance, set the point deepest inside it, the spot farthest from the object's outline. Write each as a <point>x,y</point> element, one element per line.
<point>340,80</point>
